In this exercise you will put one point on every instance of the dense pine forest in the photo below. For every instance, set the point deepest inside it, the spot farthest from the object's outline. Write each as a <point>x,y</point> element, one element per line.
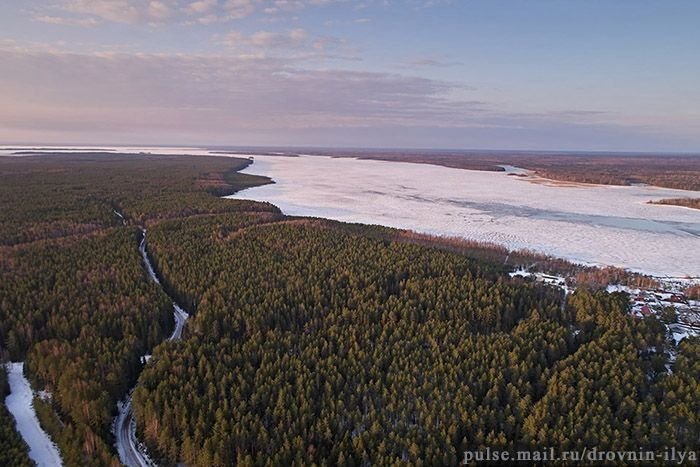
<point>75,302</point>
<point>317,342</point>
<point>312,342</point>
<point>81,312</point>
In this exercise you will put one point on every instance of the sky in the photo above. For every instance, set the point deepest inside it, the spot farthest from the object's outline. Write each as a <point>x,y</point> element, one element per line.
<point>599,75</point>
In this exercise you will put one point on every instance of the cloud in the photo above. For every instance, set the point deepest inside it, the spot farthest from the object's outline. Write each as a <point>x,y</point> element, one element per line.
<point>237,9</point>
<point>159,10</point>
<point>266,39</point>
<point>295,43</point>
<point>200,93</point>
<point>281,6</point>
<point>118,11</point>
<point>200,6</point>
<point>66,21</point>
<point>427,62</point>
<point>50,94</point>
<point>91,12</point>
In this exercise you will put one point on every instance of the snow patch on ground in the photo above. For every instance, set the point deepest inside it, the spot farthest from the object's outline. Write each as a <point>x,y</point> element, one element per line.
<point>680,331</point>
<point>520,273</point>
<point>131,452</point>
<point>611,288</point>
<point>20,404</point>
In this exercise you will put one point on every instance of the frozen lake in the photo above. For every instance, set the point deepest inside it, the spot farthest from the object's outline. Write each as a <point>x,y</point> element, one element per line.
<point>605,225</point>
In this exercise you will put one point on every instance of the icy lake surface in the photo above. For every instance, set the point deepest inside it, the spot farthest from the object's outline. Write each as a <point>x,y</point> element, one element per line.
<point>605,225</point>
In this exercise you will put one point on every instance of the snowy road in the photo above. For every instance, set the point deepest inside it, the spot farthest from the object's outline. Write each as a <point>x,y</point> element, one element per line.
<point>131,451</point>
<point>20,404</point>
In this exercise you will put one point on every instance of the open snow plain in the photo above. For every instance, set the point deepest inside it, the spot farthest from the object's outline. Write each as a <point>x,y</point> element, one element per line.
<point>604,225</point>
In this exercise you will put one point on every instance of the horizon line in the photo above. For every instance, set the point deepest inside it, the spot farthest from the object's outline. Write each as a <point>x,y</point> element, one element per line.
<point>234,147</point>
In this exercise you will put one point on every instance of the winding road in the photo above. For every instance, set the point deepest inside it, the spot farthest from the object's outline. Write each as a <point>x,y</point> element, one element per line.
<point>131,452</point>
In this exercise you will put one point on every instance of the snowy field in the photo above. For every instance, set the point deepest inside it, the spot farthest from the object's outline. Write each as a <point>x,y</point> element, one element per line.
<point>41,449</point>
<point>604,225</point>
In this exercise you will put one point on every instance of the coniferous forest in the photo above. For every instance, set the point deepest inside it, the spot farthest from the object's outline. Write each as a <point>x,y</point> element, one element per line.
<point>310,341</point>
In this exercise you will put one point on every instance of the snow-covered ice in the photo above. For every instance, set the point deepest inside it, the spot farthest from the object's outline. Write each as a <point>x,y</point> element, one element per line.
<point>20,404</point>
<point>593,224</point>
